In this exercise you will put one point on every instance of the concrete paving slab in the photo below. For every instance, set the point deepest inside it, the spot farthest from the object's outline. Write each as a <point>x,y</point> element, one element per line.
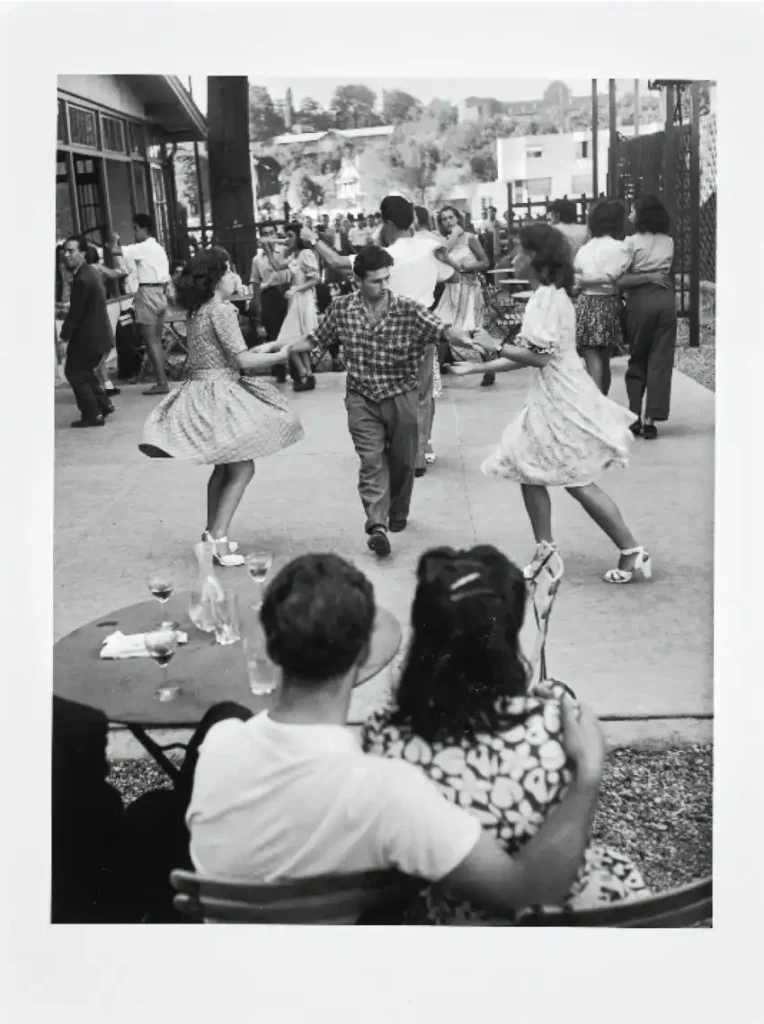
<point>634,651</point>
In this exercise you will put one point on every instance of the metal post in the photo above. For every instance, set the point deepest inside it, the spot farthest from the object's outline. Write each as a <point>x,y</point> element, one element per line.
<point>595,139</point>
<point>695,215</point>
<point>636,108</point>
<point>199,192</point>
<point>509,217</point>
<point>612,153</point>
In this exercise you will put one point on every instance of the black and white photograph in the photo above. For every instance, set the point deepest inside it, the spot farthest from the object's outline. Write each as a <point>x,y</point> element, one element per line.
<point>384,478</point>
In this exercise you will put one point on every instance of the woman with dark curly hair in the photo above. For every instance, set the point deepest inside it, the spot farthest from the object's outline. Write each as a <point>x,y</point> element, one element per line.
<point>463,715</point>
<point>567,432</point>
<point>218,416</point>
<point>650,315</point>
<point>598,311</point>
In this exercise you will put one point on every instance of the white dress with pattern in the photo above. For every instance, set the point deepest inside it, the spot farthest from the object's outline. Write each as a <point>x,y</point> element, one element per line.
<point>567,432</point>
<point>218,416</point>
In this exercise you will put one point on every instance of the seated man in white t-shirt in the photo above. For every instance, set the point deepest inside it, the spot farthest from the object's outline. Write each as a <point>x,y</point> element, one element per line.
<point>289,794</point>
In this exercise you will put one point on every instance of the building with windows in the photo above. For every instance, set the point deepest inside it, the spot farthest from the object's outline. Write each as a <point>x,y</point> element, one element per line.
<point>556,165</point>
<point>115,144</point>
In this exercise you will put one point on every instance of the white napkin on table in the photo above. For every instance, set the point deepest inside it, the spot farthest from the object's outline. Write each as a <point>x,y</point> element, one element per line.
<point>124,645</point>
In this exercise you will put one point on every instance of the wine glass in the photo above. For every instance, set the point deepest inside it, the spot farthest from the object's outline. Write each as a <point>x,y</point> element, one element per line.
<point>161,585</point>
<point>225,615</point>
<point>162,645</point>
<point>259,565</point>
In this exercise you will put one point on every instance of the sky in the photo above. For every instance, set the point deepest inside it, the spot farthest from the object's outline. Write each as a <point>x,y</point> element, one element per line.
<point>425,89</point>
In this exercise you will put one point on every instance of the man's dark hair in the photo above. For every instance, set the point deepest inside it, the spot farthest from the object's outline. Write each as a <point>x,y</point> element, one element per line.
<point>565,210</point>
<point>607,218</point>
<point>422,215</point>
<point>318,615</point>
<point>652,217</point>
<point>82,242</point>
<point>91,255</point>
<point>492,208</point>
<point>369,259</point>
<point>265,224</point>
<point>397,211</point>
<point>143,220</point>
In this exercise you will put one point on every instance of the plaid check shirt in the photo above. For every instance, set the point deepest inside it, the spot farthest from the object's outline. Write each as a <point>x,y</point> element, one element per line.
<point>383,357</point>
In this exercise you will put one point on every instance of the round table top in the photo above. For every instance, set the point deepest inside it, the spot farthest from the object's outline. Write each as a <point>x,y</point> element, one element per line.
<point>123,688</point>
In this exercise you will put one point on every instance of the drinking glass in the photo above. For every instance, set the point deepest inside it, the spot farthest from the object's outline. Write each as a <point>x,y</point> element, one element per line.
<point>225,614</point>
<point>261,672</point>
<point>259,565</point>
<point>161,585</point>
<point>162,645</point>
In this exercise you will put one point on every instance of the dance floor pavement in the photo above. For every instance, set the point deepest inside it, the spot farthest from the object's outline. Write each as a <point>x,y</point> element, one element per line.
<point>642,652</point>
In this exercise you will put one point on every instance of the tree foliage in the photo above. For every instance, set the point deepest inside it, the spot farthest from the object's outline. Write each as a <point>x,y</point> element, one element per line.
<point>398,106</point>
<point>352,106</point>
<point>264,120</point>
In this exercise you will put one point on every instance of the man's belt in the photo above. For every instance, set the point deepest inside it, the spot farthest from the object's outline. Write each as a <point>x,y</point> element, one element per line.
<point>151,284</point>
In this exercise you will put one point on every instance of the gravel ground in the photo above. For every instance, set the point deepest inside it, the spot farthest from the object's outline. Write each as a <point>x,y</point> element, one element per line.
<point>698,363</point>
<point>655,806</point>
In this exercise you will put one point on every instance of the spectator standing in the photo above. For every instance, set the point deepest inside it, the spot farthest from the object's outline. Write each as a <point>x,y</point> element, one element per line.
<point>360,235</point>
<point>87,330</point>
<point>490,237</point>
<point>93,257</point>
<point>152,269</point>
<point>269,278</point>
<point>302,311</point>
<point>562,215</point>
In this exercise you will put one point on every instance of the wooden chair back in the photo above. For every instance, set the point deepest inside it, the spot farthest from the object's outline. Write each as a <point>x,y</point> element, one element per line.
<point>372,897</point>
<point>686,907</point>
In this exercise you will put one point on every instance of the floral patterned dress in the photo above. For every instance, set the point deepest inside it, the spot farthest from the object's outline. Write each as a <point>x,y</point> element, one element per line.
<point>218,416</point>
<point>510,781</point>
<point>567,432</point>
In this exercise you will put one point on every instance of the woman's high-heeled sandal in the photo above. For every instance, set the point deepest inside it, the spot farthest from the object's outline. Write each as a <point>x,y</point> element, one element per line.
<point>233,545</point>
<point>228,560</point>
<point>642,563</point>
<point>544,552</point>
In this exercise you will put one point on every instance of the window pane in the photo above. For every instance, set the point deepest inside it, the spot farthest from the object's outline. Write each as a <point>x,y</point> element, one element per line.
<point>121,207</point>
<point>82,127</point>
<point>89,200</point>
<point>61,127</point>
<point>141,189</point>
<point>581,183</point>
<point>113,134</point>
<point>157,184</point>
<point>64,216</point>
<point>137,138</point>
<point>539,186</point>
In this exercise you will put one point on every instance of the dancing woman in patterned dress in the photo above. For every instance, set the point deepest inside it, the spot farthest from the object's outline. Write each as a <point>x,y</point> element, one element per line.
<point>567,432</point>
<point>218,416</point>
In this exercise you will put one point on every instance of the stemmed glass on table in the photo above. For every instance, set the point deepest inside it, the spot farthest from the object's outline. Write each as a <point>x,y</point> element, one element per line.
<point>161,585</point>
<point>162,644</point>
<point>259,565</point>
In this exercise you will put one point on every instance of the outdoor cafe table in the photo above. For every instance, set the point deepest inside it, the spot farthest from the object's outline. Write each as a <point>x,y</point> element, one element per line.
<point>208,673</point>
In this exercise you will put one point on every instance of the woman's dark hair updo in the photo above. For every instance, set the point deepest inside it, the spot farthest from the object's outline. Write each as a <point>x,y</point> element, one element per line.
<point>464,657</point>
<point>551,254</point>
<point>200,277</point>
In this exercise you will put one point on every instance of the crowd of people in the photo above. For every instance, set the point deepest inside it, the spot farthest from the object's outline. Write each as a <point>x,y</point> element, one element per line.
<point>269,797</point>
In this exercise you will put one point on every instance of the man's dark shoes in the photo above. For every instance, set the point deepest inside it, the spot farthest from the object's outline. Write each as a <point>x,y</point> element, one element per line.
<point>397,525</point>
<point>97,422</point>
<point>636,428</point>
<point>108,410</point>
<point>420,472</point>
<point>378,542</point>
<point>310,383</point>
<point>649,431</point>
<point>112,391</point>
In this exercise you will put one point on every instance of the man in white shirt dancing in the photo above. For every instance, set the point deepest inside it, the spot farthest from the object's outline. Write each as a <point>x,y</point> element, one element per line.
<point>149,261</point>
<point>289,794</point>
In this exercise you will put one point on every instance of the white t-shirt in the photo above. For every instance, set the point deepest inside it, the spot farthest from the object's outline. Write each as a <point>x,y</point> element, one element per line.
<point>149,260</point>
<point>359,237</point>
<point>274,802</point>
<point>602,257</point>
<point>416,269</point>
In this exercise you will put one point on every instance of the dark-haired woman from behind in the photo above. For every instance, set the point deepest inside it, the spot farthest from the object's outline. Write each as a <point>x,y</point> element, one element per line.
<point>598,265</point>
<point>567,433</point>
<point>650,315</point>
<point>218,416</point>
<point>462,713</point>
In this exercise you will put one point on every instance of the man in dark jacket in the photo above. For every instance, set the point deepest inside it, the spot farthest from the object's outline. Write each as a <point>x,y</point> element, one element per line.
<point>88,332</point>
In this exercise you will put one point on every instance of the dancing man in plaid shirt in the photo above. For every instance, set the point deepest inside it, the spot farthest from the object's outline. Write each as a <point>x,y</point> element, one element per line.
<point>384,338</point>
